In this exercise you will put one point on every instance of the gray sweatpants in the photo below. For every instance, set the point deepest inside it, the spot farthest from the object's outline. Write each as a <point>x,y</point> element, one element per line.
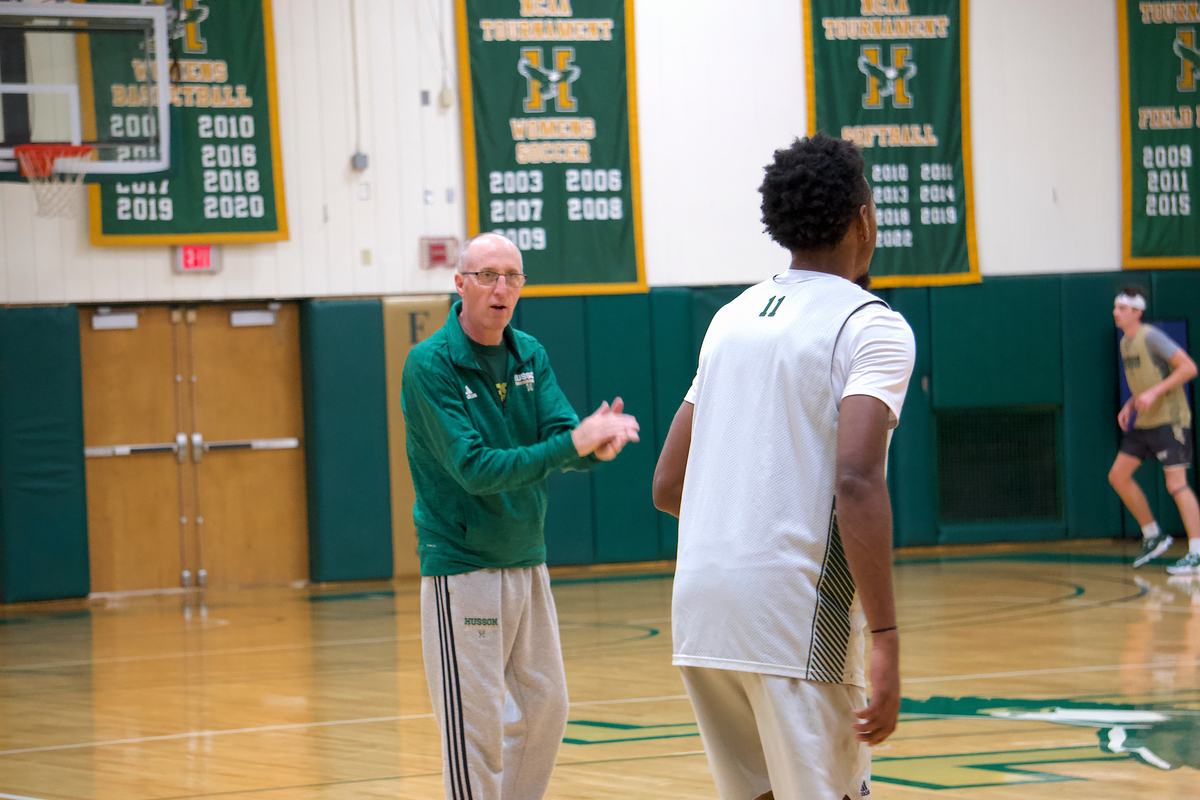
<point>495,671</point>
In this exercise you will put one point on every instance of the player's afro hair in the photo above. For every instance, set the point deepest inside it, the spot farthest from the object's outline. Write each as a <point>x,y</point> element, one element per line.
<point>811,193</point>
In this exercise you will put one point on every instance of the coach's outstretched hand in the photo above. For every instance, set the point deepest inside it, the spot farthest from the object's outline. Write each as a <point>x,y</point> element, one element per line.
<point>606,431</point>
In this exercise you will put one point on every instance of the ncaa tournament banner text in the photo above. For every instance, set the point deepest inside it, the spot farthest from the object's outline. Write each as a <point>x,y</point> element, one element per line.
<point>891,76</point>
<point>225,183</point>
<point>550,139</point>
<point>1160,132</point>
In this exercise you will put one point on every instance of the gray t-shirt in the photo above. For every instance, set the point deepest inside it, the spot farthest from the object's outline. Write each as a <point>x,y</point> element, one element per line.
<point>1162,348</point>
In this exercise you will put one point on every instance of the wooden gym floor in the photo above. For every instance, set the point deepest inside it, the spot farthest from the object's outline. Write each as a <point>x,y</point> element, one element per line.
<point>1018,662</point>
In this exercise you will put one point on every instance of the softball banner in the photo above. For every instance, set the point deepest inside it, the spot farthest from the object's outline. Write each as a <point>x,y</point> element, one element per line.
<point>893,79</point>
<point>1160,132</point>
<point>550,139</point>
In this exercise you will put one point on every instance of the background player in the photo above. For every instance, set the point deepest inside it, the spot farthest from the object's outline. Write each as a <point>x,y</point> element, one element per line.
<point>1156,369</point>
<point>800,380</point>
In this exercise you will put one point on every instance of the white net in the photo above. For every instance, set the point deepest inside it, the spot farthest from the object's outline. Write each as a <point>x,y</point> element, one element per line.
<point>56,174</point>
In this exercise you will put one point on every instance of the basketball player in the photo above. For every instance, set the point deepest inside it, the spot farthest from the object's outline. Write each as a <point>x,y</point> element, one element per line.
<point>1156,369</point>
<point>775,464</point>
<point>485,424</point>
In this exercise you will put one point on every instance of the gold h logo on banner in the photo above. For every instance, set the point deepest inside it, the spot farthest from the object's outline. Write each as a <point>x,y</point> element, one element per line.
<point>1189,59</point>
<point>889,81</point>
<point>552,83</point>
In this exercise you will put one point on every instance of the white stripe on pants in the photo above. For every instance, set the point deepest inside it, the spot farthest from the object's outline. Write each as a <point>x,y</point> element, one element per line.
<point>494,667</point>
<point>785,735</point>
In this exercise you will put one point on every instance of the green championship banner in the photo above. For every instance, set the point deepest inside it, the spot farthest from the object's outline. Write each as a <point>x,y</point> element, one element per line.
<point>550,139</point>
<point>892,78</point>
<point>1160,132</point>
<point>225,183</point>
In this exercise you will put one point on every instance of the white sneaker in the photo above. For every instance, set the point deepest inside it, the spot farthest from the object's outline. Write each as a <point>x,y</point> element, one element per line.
<point>1152,548</point>
<point>1188,565</point>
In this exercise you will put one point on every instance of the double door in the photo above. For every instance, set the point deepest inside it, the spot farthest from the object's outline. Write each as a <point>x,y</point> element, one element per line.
<point>193,430</point>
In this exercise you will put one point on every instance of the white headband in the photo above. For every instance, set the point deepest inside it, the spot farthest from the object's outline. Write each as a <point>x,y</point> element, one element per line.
<point>1134,301</point>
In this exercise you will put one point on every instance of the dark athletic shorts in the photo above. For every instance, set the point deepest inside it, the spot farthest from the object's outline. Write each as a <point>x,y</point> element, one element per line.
<point>1160,443</point>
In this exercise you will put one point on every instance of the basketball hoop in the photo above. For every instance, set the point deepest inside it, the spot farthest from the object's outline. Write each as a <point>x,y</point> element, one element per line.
<point>54,187</point>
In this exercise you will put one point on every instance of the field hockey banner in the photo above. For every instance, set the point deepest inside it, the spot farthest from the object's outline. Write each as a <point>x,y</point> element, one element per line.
<point>226,178</point>
<point>891,76</point>
<point>550,138</point>
<point>1160,132</point>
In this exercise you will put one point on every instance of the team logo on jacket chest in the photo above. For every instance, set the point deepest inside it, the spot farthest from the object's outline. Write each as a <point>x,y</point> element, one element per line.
<point>470,395</point>
<point>524,379</point>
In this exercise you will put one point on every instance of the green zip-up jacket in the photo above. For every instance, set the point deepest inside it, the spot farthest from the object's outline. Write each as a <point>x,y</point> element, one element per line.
<point>479,465</point>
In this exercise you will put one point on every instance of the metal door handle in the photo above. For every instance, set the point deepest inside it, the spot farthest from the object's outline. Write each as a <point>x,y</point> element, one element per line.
<point>288,443</point>
<point>181,446</point>
<point>111,450</point>
<point>197,447</point>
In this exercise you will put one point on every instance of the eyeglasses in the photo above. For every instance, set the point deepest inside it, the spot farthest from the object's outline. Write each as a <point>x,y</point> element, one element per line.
<point>514,280</point>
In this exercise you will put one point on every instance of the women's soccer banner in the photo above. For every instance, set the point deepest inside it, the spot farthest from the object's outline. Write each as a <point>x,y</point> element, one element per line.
<point>550,138</point>
<point>893,79</point>
<point>1160,132</point>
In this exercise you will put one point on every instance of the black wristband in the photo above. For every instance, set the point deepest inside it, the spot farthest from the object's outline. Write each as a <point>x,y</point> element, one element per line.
<point>885,630</point>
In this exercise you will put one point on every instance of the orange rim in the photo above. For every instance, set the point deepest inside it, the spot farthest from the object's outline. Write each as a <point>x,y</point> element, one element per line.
<point>37,160</point>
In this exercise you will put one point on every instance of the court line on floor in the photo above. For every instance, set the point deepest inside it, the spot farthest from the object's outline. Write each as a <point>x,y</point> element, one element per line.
<point>227,651</point>
<point>16,797</point>
<point>558,765</point>
<point>199,734</point>
<point>1054,671</point>
<point>292,726</point>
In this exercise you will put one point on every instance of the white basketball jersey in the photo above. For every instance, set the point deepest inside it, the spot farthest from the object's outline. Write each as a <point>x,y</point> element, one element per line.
<point>761,582</point>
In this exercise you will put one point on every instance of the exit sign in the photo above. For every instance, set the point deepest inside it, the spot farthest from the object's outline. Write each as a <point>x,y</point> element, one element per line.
<point>192,258</point>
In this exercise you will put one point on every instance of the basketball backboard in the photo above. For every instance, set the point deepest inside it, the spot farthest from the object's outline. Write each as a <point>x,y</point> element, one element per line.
<point>49,53</point>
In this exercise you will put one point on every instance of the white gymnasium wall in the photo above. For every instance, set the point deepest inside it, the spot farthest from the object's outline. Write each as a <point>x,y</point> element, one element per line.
<point>720,86</point>
<point>1044,78</point>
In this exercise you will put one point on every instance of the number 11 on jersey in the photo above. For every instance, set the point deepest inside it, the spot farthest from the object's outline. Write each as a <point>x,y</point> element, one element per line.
<point>764,313</point>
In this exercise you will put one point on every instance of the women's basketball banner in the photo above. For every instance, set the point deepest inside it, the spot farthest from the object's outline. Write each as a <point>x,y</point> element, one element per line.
<point>891,76</point>
<point>550,138</point>
<point>225,183</point>
<point>1160,132</point>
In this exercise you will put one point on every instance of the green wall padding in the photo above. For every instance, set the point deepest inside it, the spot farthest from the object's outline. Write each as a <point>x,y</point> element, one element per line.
<point>43,498</point>
<point>911,465</point>
<point>618,353</point>
<point>674,367</point>
<point>1091,436</point>
<point>558,323</point>
<point>346,444</point>
<point>997,343</point>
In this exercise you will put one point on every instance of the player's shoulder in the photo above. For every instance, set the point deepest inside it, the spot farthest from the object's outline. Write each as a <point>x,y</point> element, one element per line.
<point>1159,338</point>
<point>876,322</point>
